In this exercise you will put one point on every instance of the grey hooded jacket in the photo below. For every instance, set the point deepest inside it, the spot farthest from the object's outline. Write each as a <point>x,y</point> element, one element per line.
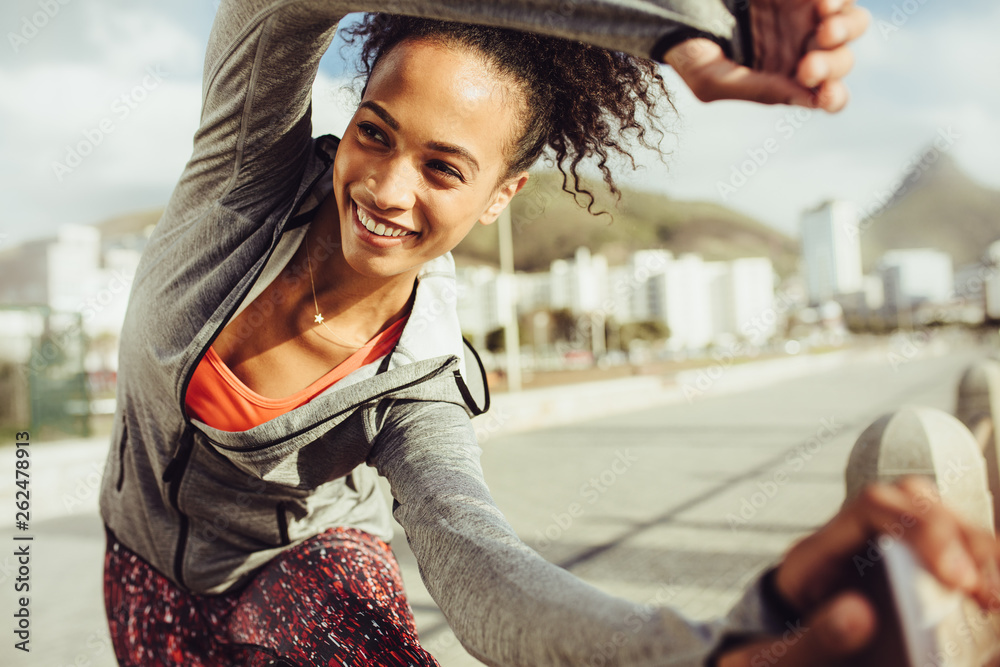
<point>208,507</point>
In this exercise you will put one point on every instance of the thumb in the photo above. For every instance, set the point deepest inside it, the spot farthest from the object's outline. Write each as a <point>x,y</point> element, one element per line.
<point>712,76</point>
<point>730,81</point>
<point>840,628</point>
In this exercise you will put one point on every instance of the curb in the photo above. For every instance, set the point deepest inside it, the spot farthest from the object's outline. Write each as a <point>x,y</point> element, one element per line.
<point>556,406</point>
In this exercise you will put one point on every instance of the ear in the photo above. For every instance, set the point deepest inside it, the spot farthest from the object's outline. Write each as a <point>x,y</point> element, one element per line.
<point>503,197</point>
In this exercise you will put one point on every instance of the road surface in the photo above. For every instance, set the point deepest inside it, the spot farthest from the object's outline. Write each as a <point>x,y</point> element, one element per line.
<point>681,504</point>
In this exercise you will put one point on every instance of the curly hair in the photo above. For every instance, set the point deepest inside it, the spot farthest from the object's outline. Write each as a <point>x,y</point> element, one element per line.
<point>579,99</point>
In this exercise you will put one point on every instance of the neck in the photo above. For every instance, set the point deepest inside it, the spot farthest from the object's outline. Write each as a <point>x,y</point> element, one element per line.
<point>360,305</point>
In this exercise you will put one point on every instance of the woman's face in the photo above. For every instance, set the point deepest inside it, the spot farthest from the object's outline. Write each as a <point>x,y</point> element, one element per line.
<point>419,164</point>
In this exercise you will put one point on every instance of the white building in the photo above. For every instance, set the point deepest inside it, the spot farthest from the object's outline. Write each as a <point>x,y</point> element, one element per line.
<point>701,302</point>
<point>579,284</point>
<point>70,273</point>
<point>922,275</point>
<point>56,272</point>
<point>831,251</point>
<point>747,305</point>
<point>639,289</point>
<point>534,291</point>
<point>688,283</point>
<point>478,301</point>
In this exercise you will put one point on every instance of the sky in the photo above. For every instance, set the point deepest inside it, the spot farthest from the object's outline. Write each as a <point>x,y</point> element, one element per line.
<point>123,78</point>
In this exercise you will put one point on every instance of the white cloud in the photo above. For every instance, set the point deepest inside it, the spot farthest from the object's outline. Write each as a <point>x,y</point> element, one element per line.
<point>141,35</point>
<point>333,105</point>
<point>933,73</point>
<point>125,136</point>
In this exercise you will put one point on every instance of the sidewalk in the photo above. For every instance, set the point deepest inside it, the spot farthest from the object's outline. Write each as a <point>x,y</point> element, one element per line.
<point>660,537</point>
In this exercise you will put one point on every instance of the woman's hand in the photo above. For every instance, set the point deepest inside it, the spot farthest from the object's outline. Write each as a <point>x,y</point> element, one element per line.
<point>800,53</point>
<point>816,574</point>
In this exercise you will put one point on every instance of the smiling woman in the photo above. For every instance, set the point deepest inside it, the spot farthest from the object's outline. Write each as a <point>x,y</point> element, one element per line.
<point>292,331</point>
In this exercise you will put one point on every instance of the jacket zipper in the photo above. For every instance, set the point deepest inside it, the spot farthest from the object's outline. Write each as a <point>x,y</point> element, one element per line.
<point>283,525</point>
<point>173,474</point>
<point>121,453</point>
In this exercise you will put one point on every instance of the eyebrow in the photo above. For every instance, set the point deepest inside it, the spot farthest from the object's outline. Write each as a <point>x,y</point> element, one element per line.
<point>433,145</point>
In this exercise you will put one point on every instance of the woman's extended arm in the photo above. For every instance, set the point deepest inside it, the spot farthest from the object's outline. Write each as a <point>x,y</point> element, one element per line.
<point>506,604</point>
<point>263,56</point>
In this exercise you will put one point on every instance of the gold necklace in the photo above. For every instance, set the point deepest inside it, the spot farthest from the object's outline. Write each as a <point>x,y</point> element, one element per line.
<point>319,317</point>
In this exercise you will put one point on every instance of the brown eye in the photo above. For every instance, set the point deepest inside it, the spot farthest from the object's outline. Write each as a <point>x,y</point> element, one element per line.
<point>445,169</point>
<point>372,132</point>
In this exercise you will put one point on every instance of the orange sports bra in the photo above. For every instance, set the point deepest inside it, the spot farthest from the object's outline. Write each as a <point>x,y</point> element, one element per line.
<point>220,399</point>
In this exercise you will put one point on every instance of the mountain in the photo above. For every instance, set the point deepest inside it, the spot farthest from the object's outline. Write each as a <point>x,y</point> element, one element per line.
<point>136,223</point>
<point>549,225</point>
<point>936,206</point>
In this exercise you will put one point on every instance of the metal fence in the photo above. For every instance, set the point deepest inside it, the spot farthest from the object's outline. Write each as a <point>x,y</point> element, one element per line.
<point>43,379</point>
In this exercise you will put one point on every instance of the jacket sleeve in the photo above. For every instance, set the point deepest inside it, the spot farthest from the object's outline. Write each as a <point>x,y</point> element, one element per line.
<point>505,603</point>
<point>263,56</point>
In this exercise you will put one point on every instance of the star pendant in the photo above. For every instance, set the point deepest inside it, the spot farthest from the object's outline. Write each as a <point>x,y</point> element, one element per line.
<point>319,318</point>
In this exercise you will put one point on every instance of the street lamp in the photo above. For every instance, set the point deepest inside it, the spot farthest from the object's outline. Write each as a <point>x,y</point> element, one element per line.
<point>511,336</point>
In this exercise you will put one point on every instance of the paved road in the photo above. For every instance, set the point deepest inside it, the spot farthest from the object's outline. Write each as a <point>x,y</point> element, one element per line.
<point>677,504</point>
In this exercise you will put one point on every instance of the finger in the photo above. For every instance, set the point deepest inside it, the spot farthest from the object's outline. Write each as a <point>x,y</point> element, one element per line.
<point>910,510</point>
<point>952,550</point>
<point>819,66</point>
<point>724,80</point>
<point>692,55</point>
<point>712,76</point>
<point>828,7</point>
<point>742,83</point>
<point>839,628</point>
<point>982,547</point>
<point>832,96</point>
<point>840,28</point>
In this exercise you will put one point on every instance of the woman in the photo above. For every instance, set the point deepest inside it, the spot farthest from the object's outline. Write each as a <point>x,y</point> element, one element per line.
<point>292,318</point>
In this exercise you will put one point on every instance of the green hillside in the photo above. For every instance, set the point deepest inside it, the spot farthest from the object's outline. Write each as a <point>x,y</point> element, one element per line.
<point>549,225</point>
<point>129,224</point>
<point>937,207</point>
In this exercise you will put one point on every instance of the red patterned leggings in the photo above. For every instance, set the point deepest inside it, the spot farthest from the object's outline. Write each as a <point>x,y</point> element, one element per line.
<point>335,599</point>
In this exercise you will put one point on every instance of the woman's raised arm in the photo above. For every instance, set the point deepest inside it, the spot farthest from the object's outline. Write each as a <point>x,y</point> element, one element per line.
<point>263,56</point>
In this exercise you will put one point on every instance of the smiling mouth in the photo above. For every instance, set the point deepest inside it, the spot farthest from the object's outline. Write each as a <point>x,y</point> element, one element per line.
<point>380,228</point>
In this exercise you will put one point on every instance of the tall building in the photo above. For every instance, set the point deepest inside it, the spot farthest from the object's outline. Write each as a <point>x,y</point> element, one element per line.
<point>579,284</point>
<point>689,302</point>
<point>744,299</point>
<point>920,275</point>
<point>831,251</point>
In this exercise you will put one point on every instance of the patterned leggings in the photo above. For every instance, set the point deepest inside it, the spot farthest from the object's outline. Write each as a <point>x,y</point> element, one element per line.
<point>335,599</point>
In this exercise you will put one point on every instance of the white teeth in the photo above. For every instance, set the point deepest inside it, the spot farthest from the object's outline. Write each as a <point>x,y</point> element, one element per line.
<point>380,229</point>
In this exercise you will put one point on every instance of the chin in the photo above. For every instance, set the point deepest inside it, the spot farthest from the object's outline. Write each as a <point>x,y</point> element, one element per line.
<point>375,267</point>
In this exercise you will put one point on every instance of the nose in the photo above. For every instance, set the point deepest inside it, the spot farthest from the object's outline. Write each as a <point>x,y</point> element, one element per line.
<point>393,185</point>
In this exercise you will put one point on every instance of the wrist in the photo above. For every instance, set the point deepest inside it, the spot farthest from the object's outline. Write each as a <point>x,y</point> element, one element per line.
<point>675,38</point>
<point>743,42</point>
<point>777,601</point>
